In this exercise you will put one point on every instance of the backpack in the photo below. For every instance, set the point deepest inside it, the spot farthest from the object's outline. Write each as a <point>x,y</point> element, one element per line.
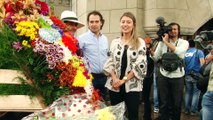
<point>201,78</point>
<point>170,61</point>
<point>206,68</point>
<point>202,84</point>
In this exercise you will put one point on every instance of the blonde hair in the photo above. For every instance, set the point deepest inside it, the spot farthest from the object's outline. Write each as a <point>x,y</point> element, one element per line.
<point>134,39</point>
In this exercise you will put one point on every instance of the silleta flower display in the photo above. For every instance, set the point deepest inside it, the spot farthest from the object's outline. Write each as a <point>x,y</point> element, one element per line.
<point>36,43</point>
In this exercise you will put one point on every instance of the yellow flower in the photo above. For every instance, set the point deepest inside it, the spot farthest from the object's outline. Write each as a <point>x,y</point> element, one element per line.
<point>75,62</point>
<point>24,43</point>
<point>60,42</point>
<point>28,46</point>
<point>105,114</point>
<point>80,80</point>
<point>28,29</point>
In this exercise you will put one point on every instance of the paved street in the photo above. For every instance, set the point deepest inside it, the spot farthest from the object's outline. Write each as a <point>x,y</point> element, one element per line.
<point>18,116</point>
<point>183,116</point>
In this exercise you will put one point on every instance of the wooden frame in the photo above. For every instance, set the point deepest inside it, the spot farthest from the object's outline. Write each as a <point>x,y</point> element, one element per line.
<point>17,103</point>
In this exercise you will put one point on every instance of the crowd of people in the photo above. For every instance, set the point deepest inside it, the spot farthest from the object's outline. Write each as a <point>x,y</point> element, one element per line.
<point>127,68</point>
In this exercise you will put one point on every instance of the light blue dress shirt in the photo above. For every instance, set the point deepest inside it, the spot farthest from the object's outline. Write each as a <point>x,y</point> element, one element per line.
<point>94,50</point>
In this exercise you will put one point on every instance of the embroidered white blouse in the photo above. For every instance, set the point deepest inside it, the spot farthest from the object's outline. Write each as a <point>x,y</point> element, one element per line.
<point>136,62</point>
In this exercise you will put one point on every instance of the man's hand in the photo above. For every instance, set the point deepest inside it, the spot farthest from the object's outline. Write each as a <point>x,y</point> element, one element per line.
<point>166,37</point>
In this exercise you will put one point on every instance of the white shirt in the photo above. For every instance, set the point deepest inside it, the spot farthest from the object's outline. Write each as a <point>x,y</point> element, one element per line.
<point>181,48</point>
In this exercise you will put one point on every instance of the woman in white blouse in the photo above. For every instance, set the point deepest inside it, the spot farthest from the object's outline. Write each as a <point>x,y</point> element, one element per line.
<point>126,66</point>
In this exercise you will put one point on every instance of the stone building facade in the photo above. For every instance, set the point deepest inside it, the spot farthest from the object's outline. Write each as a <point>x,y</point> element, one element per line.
<point>190,14</point>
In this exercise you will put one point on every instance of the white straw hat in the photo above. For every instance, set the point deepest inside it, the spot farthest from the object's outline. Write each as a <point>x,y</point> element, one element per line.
<point>68,15</point>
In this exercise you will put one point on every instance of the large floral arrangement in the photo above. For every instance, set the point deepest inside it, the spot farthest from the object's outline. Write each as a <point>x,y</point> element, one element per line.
<point>33,41</point>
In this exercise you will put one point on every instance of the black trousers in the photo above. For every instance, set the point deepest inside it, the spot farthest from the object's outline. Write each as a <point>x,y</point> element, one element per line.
<point>147,84</point>
<point>171,95</point>
<point>131,100</point>
<point>99,82</point>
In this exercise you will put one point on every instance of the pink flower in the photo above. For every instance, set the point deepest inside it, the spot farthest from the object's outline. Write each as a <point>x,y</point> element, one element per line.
<point>17,46</point>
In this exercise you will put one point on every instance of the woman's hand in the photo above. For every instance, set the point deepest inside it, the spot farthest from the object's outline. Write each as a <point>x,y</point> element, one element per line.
<point>117,83</point>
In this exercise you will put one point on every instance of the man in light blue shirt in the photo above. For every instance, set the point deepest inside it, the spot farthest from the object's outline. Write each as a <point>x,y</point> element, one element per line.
<point>95,47</point>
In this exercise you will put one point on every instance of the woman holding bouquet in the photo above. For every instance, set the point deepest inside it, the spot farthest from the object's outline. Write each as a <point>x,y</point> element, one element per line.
<point>126,66</point>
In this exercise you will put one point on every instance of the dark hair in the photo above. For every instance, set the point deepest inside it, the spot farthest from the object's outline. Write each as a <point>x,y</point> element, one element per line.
<point>191,43</point>
<point>172,24</point>
<point>96,13</point>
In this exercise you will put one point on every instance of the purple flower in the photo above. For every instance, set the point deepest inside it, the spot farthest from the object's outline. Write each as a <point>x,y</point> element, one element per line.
<point>61,32</point>
<point>17,46</point>
<point>51,48</point>
<point>60,55</point>
<point>9,20</point>
<point>50,58</point>
<point>39,47</point>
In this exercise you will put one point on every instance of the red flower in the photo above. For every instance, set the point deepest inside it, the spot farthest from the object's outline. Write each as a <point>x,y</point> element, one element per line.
<point>43,7</point>
<point>76,90</point>
<point>67,76</point>
<point>9,7</point>
<point>19,5</point>
<point>70,43</point>
<point>50,76</point>
<point>58,22</point>
<point>61,65</point>
<point>95,96</point>
<point>33,43</point>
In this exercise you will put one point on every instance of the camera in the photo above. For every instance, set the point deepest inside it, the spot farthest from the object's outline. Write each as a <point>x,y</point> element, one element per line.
<point>204,37</point>
<point>162,28</point>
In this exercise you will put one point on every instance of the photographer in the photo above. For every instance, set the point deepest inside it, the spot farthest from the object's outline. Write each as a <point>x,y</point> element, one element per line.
<point>171,83</point>
<point>207,101</point>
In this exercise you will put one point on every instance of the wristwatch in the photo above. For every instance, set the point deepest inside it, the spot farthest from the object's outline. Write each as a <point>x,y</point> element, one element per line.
<point>125,78</point>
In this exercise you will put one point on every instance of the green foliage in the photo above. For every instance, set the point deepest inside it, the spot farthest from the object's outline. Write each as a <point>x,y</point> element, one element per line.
<point>7,37</point>
<point>13,89</point>
<point>33,66</point>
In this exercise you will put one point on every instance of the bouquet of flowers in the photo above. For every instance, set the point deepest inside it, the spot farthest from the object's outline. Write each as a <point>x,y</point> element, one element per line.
<point>35,43</point>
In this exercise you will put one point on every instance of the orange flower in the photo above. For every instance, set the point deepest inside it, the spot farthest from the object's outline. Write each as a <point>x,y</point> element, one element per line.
<point>29,4</point>
<point>18,17</point>
<point>3,14</point>
<point>1,3</point>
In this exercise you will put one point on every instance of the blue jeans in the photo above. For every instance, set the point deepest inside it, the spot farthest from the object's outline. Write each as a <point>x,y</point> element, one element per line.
<point>155,91</point>
<point>207,106</point>
<point>192,94</point>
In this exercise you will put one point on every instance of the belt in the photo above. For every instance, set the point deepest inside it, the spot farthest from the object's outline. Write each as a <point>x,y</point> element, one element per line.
<point>98,75</point>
